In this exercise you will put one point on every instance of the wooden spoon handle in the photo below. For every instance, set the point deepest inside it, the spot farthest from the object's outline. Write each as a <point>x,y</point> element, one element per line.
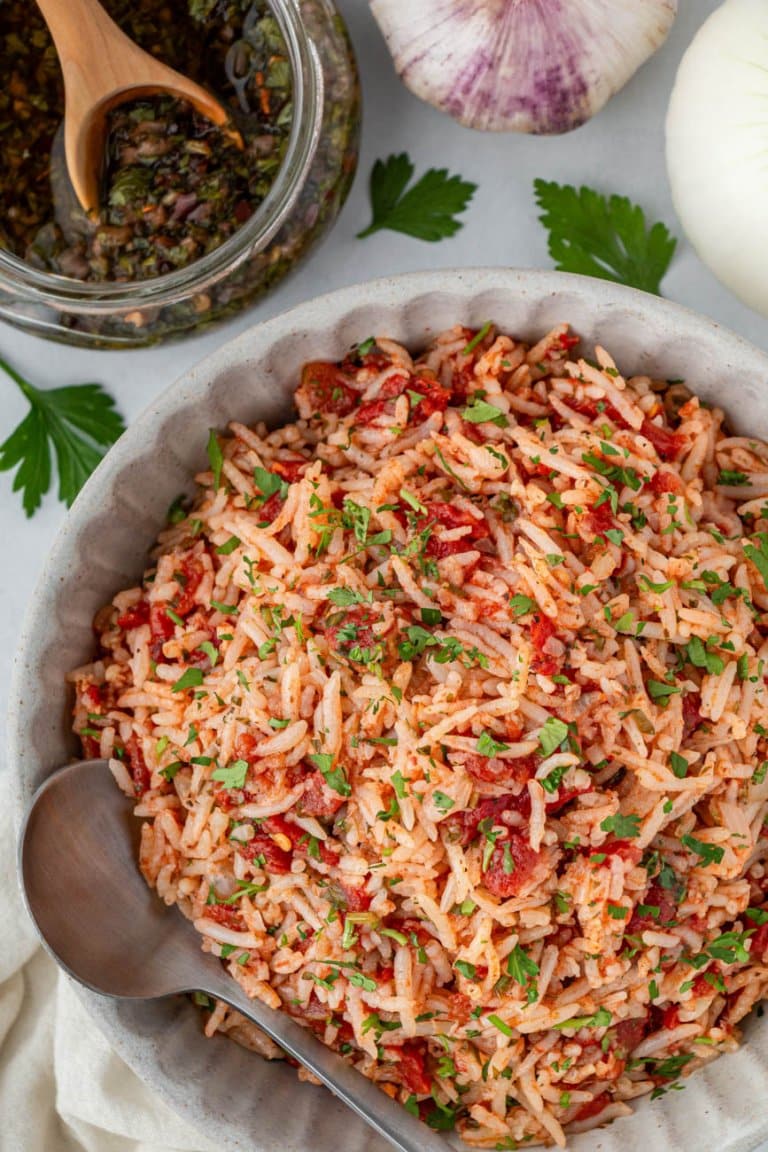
<point>102,67</point>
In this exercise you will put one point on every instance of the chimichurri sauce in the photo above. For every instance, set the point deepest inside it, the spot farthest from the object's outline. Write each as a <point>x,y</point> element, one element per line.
<point>175,187</point>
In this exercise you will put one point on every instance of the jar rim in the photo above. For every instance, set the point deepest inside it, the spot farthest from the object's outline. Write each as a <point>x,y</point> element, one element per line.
<point>104,298</point>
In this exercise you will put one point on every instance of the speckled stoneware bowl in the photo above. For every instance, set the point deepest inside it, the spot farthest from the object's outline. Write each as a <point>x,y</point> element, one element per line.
<point>231,1095</point>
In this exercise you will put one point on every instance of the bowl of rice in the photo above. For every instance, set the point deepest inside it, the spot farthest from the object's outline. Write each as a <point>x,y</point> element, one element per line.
<point>425,628</point>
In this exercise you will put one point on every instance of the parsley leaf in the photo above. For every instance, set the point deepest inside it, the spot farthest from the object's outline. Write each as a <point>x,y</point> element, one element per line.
<point>233,776</point>
<point>481,412</point>
<point>335,778</point>
<point>707,853</point>
<point>520,966</point>
<point>426,210</point>
<point>552,734</point>
<point>758,556</point>
<point>79,420</point>
<point>603,237</point>
<point>623,827</point>
<point>487,746</point>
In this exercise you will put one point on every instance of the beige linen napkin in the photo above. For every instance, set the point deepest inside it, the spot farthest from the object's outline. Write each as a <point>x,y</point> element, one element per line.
<point>62,1089</point>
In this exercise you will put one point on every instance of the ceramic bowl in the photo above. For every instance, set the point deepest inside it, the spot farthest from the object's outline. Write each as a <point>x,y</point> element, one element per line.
<point>233,1096</point>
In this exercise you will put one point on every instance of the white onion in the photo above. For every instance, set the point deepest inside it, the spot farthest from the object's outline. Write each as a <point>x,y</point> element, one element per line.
<point>717,147</point>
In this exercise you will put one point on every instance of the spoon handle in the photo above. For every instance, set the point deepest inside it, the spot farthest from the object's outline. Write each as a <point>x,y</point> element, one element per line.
<point>389,1118</point>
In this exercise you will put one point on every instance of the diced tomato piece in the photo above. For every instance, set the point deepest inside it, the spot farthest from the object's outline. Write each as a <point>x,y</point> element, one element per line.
<point>494,770</point>
<point>448,516</point>
<point>663,481</point>
<point>290,469</point>
<point>462,826</point>
<point>668,444</point>
<point>271,508</point>
<point>92,694</point>
<point>325,389</point>
<point>91,747</point>
<point>671,1017</point>
<point>623,848</point>
<point>192,572</point>
<point>655,897</point>
<point>385,973</point>
<point>585,407</point>
<point>160,624</point>
<point>702,987</point>
<point>358,900</point>
<point>593,1107</point>
<point>140,774</point>
<point>134,617</point>
<point>276,859</point>
<point>565,795</point>
<point>413,1068</point>
<point>245,748</point>
<point>497,879</point>
<point>226,914</point>
<point>435,398</point>
<point>600,517</point>
<point>318,799</point>
<point>543,629</point>
<point>566,341</point>
<point>372,410</point>
<point>352,631</point>
<point>630,1033</point>
<point>461,1007</point>
<point>759,946</point>
<point>692,717</point>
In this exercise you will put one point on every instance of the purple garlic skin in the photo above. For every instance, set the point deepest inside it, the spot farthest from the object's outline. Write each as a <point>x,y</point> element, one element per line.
<point>538,66</point>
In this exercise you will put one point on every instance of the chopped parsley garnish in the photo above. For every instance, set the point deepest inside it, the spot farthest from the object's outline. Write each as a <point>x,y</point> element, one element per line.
<point>479,336</point>
<point>551,735</point>
<point>466,969</point>
<point>345,597</point>
<point>658,690</point>
<point>192,678</point>
<point>728,477</point>
<point>335,778</point>
<point>502,1026</point>
<point>215,457</point>
<point>679,765</point>
<point>442,802</point>
<point>487,746</point>
<point>233,776</point>
<point>520,966</point>
<point>522,605</point>
<point>481,412</point>
<point>601,1019</point>
<point>228,547</point>
<point>623,827</point>
<point>707,853</point>
<point>759,554</point>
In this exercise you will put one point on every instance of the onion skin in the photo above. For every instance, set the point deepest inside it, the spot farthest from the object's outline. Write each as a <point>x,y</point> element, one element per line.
<point>717,147</point>
<point>538,66</point>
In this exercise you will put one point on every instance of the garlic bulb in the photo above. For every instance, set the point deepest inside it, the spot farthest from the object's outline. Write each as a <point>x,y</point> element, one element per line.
<point>717,147</point>
<point>543,66</point>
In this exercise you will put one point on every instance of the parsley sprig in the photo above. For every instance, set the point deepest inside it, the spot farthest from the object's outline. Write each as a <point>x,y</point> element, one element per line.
<point>79,421</point>
<point>603,236</point>
<point>426,210</point>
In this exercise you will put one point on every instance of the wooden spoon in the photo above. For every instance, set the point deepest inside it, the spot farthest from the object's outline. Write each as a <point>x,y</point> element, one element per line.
<point>102,68</point>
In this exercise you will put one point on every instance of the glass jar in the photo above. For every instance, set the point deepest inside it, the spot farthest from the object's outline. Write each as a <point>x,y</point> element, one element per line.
<point>302,204</point>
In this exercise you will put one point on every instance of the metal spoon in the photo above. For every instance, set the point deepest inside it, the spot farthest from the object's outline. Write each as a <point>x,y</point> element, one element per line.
<point>102,68</point>
<point>101,922</point>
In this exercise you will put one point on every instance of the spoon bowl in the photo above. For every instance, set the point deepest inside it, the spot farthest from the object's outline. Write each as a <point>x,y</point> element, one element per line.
<point>101,922</point>
<point>102,68</point>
